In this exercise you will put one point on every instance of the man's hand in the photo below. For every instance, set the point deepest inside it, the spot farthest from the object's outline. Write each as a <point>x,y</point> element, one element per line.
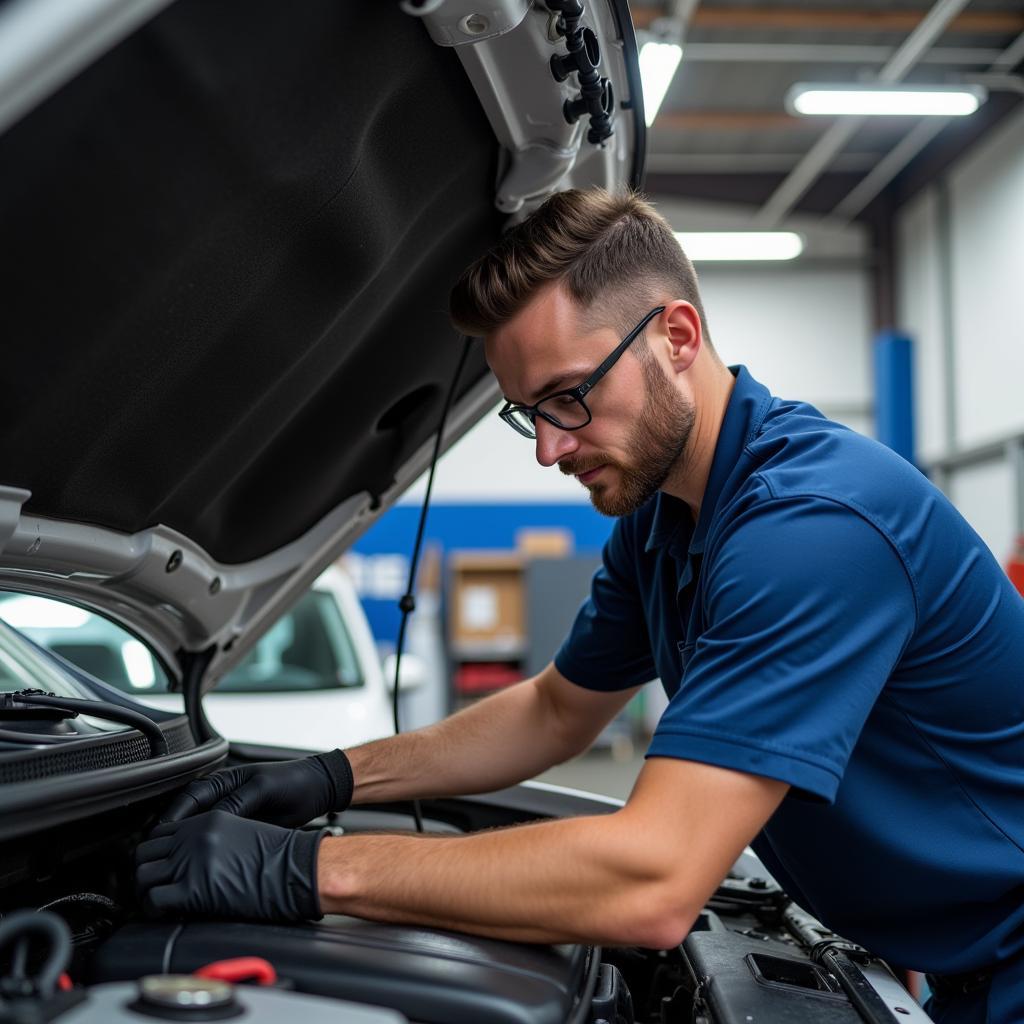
<point>288,793</point>
<point>220,865</point>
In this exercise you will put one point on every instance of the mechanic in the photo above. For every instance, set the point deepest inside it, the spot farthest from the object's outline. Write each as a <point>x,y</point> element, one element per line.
<point>843,656</point>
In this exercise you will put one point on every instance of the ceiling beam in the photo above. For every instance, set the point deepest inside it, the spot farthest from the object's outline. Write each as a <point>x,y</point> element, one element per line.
<point>749,163</point>
<point>732,121</point>
<point>908,148</point>
<point>1011,56</point>
<point>829,53</point>
<point>681,11</point>
<point>889,166</point>
<point>800,179</point>
<point>832,20</point>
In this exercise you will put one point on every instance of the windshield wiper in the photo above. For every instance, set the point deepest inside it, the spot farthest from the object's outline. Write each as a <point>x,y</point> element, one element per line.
<point>20,700</point>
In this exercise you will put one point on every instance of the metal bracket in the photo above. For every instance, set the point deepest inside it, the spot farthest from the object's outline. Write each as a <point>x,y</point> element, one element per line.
<point>465,22</point>
<point>537,109</point>
<point>11,500</point>
<point>535,170</point>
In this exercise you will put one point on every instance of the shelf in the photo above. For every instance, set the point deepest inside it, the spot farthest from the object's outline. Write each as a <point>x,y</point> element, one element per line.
<point>512,649</point>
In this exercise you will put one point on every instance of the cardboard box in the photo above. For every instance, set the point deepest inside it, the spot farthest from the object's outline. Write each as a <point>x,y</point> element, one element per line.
<point>553,542</point>
<point>486,602</point>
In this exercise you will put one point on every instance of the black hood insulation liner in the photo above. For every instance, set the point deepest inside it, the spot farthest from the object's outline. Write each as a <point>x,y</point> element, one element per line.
<point>218,279</point>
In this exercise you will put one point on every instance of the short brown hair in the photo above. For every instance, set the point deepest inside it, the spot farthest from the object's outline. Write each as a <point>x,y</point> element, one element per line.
<point>613,252</point>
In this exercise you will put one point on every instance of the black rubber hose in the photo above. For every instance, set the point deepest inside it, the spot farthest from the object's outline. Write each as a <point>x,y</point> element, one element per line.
<point>101,709</point>
<point>24,923</point>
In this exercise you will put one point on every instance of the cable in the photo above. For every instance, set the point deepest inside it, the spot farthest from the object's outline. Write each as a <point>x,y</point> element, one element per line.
<point>95,708</point>
<point>407,602</point>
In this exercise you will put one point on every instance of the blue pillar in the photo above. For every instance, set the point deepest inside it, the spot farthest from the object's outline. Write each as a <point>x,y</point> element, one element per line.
<point>894,392</point>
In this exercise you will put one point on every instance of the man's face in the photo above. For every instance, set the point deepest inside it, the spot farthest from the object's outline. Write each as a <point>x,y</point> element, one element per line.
<point>641,421</point>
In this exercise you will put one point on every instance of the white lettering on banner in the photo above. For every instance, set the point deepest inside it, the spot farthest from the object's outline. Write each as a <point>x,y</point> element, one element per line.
<point>379,577</point>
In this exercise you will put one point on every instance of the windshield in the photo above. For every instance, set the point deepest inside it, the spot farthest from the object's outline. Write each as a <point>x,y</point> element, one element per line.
<point>22,667</point>
<point>308,648</point>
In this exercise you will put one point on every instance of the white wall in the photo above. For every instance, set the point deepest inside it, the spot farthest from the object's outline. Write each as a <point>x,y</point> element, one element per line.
<point>802,331</point>
<point>919,279</point>
<point>973,224</point>
<point>987,194</point>
<point>985,495</point>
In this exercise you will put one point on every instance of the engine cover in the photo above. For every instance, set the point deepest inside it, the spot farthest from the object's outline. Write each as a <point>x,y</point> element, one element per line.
<point>432,976</point>
<point>122,1004</point>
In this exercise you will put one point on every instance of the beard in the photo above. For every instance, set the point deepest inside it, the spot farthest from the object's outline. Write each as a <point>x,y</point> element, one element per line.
<point>658,440</point>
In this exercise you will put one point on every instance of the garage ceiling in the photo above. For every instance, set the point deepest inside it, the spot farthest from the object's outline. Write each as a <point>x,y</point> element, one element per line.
<point>723,133</point>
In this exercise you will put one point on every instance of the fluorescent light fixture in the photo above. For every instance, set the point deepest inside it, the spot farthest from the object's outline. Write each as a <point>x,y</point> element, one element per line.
<point>702,246</point>
<point>813,98</point>
<point>658,63</point>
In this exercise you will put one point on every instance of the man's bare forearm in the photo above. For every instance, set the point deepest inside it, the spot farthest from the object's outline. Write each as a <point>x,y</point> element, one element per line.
<point>583,879</point>
<point>499,741</point>
<point>639,875</point>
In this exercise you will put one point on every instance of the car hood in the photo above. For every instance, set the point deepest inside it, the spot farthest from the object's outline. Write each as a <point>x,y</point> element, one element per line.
<point>230,231</point>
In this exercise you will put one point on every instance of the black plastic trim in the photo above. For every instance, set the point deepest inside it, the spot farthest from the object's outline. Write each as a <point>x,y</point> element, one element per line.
<point>28,807</point>
<point>861,993</point>
<point>88,753</point>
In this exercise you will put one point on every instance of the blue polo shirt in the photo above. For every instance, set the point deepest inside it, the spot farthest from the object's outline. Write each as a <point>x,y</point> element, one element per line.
<point>832,621</point>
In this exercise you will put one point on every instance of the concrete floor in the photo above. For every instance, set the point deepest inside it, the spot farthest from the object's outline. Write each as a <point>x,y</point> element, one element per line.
<point>599,771</point>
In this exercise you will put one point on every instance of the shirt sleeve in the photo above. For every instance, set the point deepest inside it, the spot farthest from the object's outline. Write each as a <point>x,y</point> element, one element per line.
<point>609,647</point>
<point>809,608</point>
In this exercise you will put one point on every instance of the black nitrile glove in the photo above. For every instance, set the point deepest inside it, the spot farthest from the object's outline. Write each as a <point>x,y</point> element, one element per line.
<point>220,865</point>
<point>287,793</point>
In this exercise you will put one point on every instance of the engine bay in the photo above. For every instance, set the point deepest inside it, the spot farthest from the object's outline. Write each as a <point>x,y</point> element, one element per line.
<point>752,954</point>
<point>76,946</point>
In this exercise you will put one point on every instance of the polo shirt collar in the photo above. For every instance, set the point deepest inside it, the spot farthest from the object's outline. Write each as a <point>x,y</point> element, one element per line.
<point>744,415</point>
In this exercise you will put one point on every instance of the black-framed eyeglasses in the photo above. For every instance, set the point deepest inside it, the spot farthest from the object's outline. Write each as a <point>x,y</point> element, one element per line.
<point>566,409</point>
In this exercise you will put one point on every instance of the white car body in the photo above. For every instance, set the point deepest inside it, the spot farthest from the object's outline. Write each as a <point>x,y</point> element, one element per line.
<point>318,719</point>
<point>357,709</point>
